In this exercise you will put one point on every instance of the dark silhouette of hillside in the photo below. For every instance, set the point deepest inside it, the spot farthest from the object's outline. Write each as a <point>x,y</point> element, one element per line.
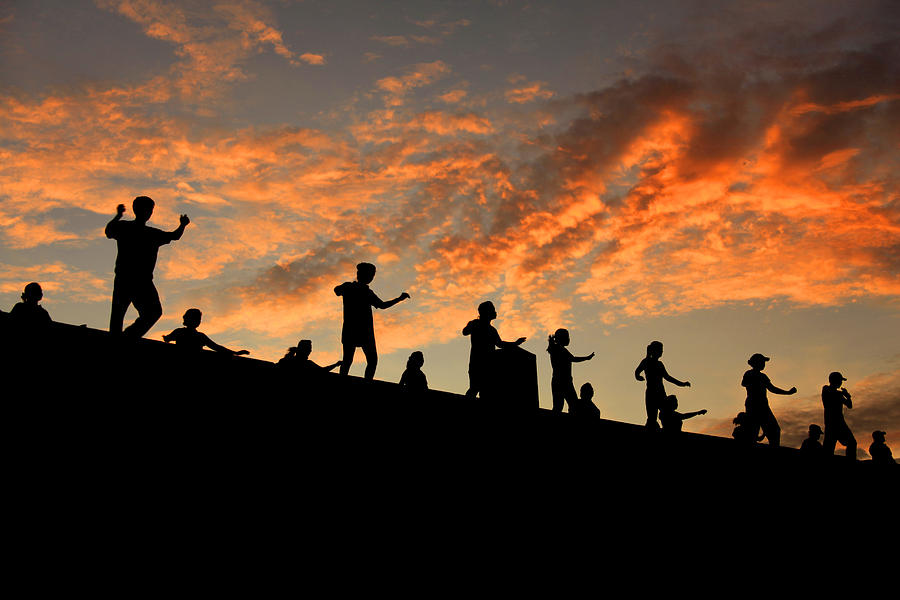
<point>125,421</point>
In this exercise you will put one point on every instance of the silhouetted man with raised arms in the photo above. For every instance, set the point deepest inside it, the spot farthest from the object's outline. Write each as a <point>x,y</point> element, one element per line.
<point>834,398</point>
<point>757,404</point>
<point>359,329</point>
<point>484,340</point>
<point>138,245</point>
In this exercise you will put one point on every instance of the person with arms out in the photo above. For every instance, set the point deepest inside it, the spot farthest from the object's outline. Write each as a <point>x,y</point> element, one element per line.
<point>671,419</point>
<point>188,338</point>
<point>29,314</point>
<point>834,399</point>
<point>655,396</point>
<point>138,246</point>
<point>297,359</point>
<point>561,383</point>
<point>359,329</point>
<point>484,340</point>
<point>757,404</point>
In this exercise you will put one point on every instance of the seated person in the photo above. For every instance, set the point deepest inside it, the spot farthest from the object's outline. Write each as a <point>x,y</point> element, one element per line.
<point>297,357</point>
<point>585,406</point>
<point>671,419</point>
<point>879,450</point>
<point>811,446</point>
<point>28,313</point>
<point>189,338</point>
<point>413,379</point>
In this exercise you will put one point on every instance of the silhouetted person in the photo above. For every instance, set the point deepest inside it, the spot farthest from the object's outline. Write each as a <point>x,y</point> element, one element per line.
<point>297,358</point>
<point>138,245</point>
<point>811,447</point>
<point>744,429</point>
<point>584,405</point>
<point>879,450</point>
<point>655,396</point>
<point>834,399</point>
<point>484,340</point>
<point>188,338</point>
<point>29,314</point>
<point>561,384</point>
<point>671,419</point>
<point>359,330</point>
<point>757,403</point>
<point>413,379</point>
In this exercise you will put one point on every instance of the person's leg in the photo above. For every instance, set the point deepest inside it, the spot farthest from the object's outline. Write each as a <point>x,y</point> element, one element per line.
<point>120,301</point>
<point>772,429</point>
<point>558,392</point>
<point>652,407</point>
<point>571,396</point>
<point>850,443</point>
<point>371,359</point>
<point>829,443</point>
<point>349,351</point>
<point>474,384</point>
<point>146,301</point>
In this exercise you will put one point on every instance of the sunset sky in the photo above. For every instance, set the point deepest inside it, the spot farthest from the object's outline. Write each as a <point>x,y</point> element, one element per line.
<point>721,176</point>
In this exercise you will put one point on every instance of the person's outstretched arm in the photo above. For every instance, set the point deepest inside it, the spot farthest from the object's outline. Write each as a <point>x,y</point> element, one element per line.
<point>671,379</point>
<point>219,348</point>
<point>778,390</point>
<point>518,342</point>
<point>332,366</point>
<point>583,358</point>
<point>176,235</point>
<point>379,303</point>
<point>691,415</point>
<point>111,226</point>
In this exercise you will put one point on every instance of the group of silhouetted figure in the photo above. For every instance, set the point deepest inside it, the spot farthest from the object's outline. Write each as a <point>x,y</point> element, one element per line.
<point>138,247</point>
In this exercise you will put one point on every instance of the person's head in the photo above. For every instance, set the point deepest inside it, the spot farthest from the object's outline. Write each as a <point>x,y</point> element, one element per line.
<point>671,403</point>
<point>815,432</point>
<point>835,379</point>
<point>561,336</point>
<point>878,436</point>
<point>487,311</point>
<point>587,392</point>
<point>365,272</point>
<point>740,418</point>
<point>32,293</point>
<point>304,348</point>
<point>758,361</point>
<point>654,349</point>
<point>192,317</point>
<point>415,360</point>
<point>143,208</point>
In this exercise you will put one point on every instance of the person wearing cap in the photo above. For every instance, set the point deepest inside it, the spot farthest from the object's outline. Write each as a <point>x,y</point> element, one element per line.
<point>879,450</point>
<point>29,313</point>
<point>834,398</point>
<point>811,446</point>
<point>757,404</point>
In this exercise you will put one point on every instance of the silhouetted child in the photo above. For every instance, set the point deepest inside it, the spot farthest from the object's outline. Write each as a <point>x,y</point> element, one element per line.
<point>561,384</point>
<point>188,338</point>
<point>655,396</point>
<point>671,419</point>
<point>138,245</point>
<point>413,379</point>
<point>811,447</point>
<point>757,404</point>
<point>297,358</point>
<point>834,398</point>
<point>584,405</point>
<point>484,340</point>
<point>28,314</point>
<point>879,450</point>
<point>744,429</point>
<point>359,329</point>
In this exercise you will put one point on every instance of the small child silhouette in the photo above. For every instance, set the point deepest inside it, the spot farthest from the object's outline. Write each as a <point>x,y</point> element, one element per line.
<point>671,419</point>
<point>413,379</point>
<point>28,314</point>
<point>584,406</point>
<point>811,447</point>
<point>190,339</point>
<point>297,357</point>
